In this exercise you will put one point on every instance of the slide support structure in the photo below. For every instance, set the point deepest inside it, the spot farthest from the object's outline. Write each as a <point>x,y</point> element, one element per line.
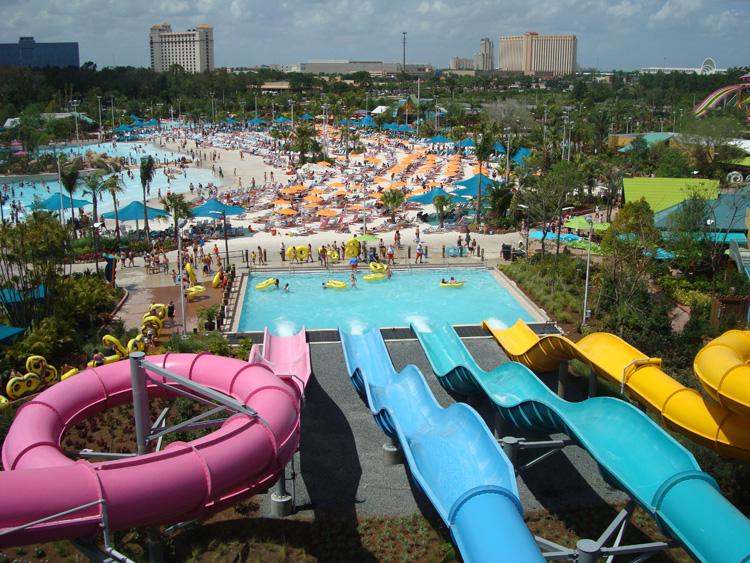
<point>592,384</point>
<point>140,402</point>
<point>282,502</point>
<point>391,452</point>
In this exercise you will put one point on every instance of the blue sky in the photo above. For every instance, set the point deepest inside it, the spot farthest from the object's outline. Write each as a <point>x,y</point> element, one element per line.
<point>612,34</point>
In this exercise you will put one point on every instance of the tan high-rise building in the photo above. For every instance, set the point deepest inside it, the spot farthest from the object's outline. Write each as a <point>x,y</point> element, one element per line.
<point>534,54</point>
<point>485,58</point>
<point>193,49</point>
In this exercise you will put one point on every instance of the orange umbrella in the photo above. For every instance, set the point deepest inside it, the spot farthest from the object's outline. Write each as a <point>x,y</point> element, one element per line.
<point>398,184</point>
<point>281,202</point>
<point>380,180</point>
<point>317,191</point>
<point>312,198</point>
<point>290,190</point>
<point>287,211</point>
<point>341,192</point>
<point>337,185</point>
<point>323,163</point>
<point>327,212</point>
<point>392,187</point>
<point>373,160</point>
<point>356,207</point>
<point>311,204</point>
<point>376,195</point>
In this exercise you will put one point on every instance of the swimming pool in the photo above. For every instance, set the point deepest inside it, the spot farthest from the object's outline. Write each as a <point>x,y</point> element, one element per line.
<point>413,296</point>
<point>133,189</point>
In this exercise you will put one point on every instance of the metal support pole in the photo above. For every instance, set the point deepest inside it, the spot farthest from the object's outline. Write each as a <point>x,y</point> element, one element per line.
<point>226,243</point>
<point>153,540</point>
<point>510,448</point>
<point>281,500</point>
<point>592,384</point>
<point>391,452</point>
<point>140,402</point>
<point>588,551</point>
<point>563,379</point>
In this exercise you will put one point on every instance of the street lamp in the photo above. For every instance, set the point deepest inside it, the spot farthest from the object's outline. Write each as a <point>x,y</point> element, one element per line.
<point>242,105</point>
<point>182,276</point>
<point>94,232</point>
<point>507,157</point>
<point>291,104</point>
<point>112,105</point>
<point>213,117</point>
<point>325,129</point>
<point>226,243</point>
<point>75,104</point>
<point>99,99</point>
<point>570,137</point>
<point>590,221</point>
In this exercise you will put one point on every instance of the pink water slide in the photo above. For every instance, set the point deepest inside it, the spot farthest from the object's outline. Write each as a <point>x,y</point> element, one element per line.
<point>184,481</point>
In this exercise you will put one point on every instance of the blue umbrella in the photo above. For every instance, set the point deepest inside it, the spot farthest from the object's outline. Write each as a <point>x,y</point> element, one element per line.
<point>474,181</point>
<point>256,121</point>
<point>213,207</point>
<point>307,116</point>
<point>281,119</point>
<point>498,146</point>
<point>465,143</point>
<point>429,197</point>
<point>439,139</point>
<point>52,203</point>
<point>122,128</point>
<point>405,129</point>
<point>134,212</point>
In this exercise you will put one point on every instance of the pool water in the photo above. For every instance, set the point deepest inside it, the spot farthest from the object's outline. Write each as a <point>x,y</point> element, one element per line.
<point>133,190</point>
<point>413,296</point>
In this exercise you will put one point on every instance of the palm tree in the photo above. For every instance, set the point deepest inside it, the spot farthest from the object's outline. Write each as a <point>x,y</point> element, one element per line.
<point>179,207</point>
<point>114,186</point>
<point>443,206</point>
<point>600,121</point>
<point>93,185</point>
<point>148,171</point>
<point>484,142</point>
<point>69,179</point>
<point>305,142</point>
<point>451,82</point>
<point>499,198</point>
<point>392,200</point>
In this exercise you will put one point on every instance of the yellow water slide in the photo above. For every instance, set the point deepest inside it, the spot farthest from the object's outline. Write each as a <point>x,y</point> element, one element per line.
<point>721,367</point>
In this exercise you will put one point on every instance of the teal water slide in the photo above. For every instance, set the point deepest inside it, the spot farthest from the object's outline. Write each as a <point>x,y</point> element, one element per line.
<point>453,457</point>
<point>633,453</point>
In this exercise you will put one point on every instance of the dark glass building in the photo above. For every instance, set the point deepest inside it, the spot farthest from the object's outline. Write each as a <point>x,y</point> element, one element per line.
<point>28,52</point>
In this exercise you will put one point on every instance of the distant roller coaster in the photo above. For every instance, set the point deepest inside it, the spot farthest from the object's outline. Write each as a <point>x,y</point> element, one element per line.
<point>728,95</point>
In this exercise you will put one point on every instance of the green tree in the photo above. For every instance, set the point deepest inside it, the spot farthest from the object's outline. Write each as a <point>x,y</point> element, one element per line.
<point>392,200</point>
<point>709,139</point>
<point>94,185</point>
<point>114,186</point>
<point>305,142</point>
<point>443,206</point>
<point>178,207</point>
<point>147,171</point>
<point>69,175</point>
<point>31,257</point>
<point>484,142</point>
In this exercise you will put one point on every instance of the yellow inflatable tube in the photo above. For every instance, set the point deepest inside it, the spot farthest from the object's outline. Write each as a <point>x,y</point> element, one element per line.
<point>34,365</point>
<point>370,277</point>
<point>217,280</point>
<point>266,283</point>
<point>194,290</point>
<point>22,385</point>
<point>378,267</point>
<point>191,273</point>
<point>335,284</point>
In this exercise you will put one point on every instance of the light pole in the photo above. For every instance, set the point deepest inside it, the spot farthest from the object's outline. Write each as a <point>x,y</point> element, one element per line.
<point>158,114</point>
<point>565,124</point>
<point>182,276</point>
<point>179,107</point>
<point>590,221</point>
<point>507,157</point>
<point>242,105</point>
<point>325,129</point>
<point>213,117</point>
<point>291,104</point>
<point>75,104</point>
<point>99,100</point>
<point>226,243</point>
<point>94,232</point>
<point>112,106</point>
<point>570,137</point>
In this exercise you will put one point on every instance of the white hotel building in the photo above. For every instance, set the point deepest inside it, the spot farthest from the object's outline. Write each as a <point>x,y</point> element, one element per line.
<point>193,49</point>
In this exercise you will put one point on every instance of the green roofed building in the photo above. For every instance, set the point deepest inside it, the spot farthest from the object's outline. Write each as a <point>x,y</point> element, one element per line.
<point>661,193</point>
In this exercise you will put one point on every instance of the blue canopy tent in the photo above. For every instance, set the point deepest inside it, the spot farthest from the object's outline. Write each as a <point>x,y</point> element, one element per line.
<point>53,203</point>
<point>281,119</point>
<point>122,129</point>
<point>520,156</point>
<point>150,123</point>
<point>465,143</point>
<point>498,146</point>
<point>429,197</point>
<point>473,182</point>
<point>9,333</point>
<point>213,207</point>
<point>307,117</point>
<point>230,121</point>
<point>134,212</point>
<point>136,118</point>
<point>257,121</point>
<point>439,139</point>
<point>405,129</point>
<point>391,126</point>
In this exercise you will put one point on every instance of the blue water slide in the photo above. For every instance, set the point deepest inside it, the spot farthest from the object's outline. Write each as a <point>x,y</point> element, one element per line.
<point>633,453</point>
<point>452,455</point>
